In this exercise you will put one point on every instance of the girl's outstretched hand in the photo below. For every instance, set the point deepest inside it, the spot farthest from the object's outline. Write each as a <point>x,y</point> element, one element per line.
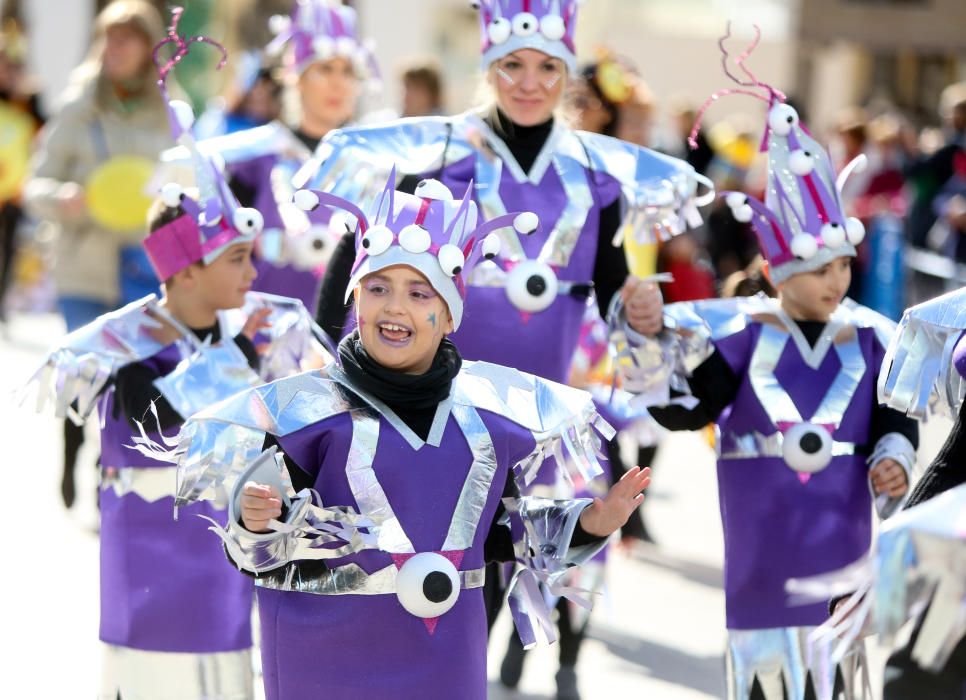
<point>605,515</point>
<point>260,503</point>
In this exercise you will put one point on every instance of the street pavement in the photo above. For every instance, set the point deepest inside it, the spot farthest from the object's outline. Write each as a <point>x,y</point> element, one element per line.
<point>657,631</point>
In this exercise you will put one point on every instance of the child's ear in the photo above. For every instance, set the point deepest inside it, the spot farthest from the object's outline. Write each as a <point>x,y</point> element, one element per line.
<point>766,272</point>
<point>449,324</point>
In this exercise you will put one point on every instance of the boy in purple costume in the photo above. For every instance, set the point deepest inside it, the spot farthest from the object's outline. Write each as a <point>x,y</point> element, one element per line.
<point>804,447</point>
<point>369,540</point>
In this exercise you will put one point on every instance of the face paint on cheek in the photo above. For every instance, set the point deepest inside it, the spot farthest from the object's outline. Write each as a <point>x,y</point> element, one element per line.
<point>432,319</point>
<point>504,76</point>
<point>553,81</point>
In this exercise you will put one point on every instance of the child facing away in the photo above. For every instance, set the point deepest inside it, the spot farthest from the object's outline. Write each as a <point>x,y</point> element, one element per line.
<point>790,383</point>
<point>174,622</point>
<point>401,470</point>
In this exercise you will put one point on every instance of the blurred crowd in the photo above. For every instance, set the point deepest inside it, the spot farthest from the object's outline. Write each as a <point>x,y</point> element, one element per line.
<point>62,246</point>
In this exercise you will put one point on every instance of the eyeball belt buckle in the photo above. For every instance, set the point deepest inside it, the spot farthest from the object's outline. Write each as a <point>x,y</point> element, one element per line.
<point>427,585</point>
<point>807,449</point>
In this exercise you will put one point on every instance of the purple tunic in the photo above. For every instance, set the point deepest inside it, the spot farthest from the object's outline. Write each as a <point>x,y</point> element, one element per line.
<point>493,329</point>
<point>369,646</point>
<point>778,523</point>
<point>285,280</point>
<point>165,584</point>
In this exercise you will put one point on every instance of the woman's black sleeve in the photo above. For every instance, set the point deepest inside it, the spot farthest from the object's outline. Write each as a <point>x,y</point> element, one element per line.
<point>610,265</point>
<point>332,309</point>
<point>948,469</point>
<point>714,385</point>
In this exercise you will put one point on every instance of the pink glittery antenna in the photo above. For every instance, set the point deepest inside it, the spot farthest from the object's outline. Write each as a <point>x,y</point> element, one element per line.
<point>751,82</point>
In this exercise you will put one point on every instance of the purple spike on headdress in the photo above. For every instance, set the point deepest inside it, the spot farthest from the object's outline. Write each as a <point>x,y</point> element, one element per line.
<point>460,215</point>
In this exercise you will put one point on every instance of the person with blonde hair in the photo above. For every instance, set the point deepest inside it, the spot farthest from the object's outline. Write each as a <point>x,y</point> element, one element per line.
<point>89,174</point>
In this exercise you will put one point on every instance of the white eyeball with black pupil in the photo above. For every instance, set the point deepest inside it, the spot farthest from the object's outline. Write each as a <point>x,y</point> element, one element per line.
<point>800,162</point>
<point>532,286</point>
<point>782,118</point>
<point>804,246</point>
<point>553,27</point>
<point>807,448</point>
<point>377,240</point>
<point>248,221</point>
<point>306,200</point>
<point>525,24</point>
<point>451,259</point>
<point>743,214</point>
<point>433,189</point>
<point>324,46</point>
<point>854,230</point>
<point>310,249</point>
<point>491,246</point>
<point>499,30</point>
<point>736,199</point>
<point>833,235</point>
<point>427,585</point>
<point>172,194</point>
<point>526,222</point>
<point>415,239</point>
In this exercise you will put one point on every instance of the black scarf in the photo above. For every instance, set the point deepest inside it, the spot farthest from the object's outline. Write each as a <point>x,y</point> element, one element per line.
<point>403,393</point>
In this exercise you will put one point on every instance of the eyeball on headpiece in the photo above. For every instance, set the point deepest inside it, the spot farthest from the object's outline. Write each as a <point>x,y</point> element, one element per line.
<point>171,194</point>
<point>499,30</point>
<point>782,118</point>
<point>248,221</point>
<point>415,239</point>
<point>306,200</point>
<point>377,240</point>
<point>279,23</point>
<point>490,246</point>
<point>323,46</point>
<point>740,209</point>
<point>345,46</point>
<point>433,189</point>
<point>804,246</point>
<point>526,222</point>
<point>451,259</point>
<point>800,162</point>
<point>854,230</point>
<point>553,27</point>
<point>833,235</point>
<point>525,24</point>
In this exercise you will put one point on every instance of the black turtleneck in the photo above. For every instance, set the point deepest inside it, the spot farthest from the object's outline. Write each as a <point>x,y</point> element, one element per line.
<point>310,142</point>
<point>525,143</point>
<point>134,390</point>
<point>716,386</point>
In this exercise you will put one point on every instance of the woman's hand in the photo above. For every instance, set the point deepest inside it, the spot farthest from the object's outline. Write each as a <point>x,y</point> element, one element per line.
<point>605,515</point>
<point>260,503</point>
<point>643,305</point>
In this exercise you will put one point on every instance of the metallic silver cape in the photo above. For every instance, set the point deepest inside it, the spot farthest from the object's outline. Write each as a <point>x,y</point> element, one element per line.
<point>692,327</point>
<point>81,366</point>
<point>919,560</point>
<point>659,193</point>
<point>917,372</point>
<point>274,139</point>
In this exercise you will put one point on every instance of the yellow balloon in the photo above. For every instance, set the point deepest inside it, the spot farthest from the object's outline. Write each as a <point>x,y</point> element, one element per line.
<point>16,132</point>
<point>116,193</point>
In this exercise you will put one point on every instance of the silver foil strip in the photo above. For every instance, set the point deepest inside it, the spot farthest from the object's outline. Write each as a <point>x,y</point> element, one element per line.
<point>751,445</point>
<point>479,480</point>
<point>149,483</point>
<point>782,658</point>
<point>351,579</point>
<point>209,375</point>
<point>136,674</point>
<point>269,139</point>
<point>917,371</point>
<point>365,486</point>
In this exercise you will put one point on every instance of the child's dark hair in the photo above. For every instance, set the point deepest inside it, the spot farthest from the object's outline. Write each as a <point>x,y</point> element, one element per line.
<point>161,215</point>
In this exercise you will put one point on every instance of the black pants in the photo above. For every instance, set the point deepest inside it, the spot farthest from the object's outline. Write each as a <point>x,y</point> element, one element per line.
<point>10,215</point>
<point>906,680</point>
